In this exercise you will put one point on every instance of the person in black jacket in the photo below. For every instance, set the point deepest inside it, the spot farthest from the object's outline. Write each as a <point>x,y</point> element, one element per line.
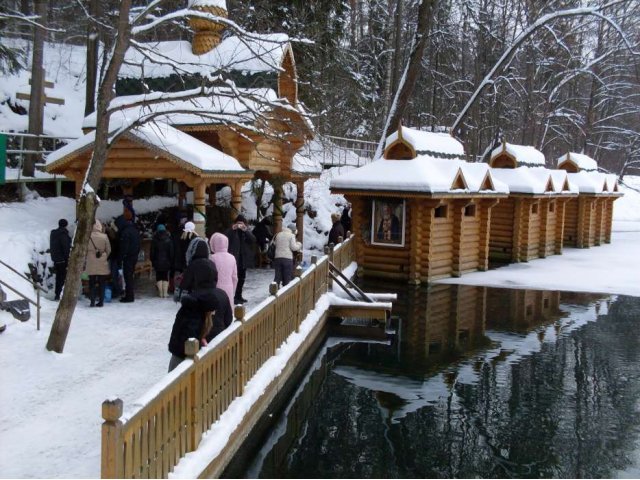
<point>198,298</point>
<point>223,315</point>
<point>129,249</point>
<point>162,258</point>
<point>241,242</point>
<point>337,230</point>
<point>263,234</point>
<point>60,246</point>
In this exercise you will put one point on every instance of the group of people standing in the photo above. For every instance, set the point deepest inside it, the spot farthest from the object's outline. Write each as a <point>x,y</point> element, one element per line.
<point>110,250</point>
<point>213,280</point>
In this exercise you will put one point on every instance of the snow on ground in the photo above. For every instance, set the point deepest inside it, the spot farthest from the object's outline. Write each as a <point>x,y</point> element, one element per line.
<point>50,404</point>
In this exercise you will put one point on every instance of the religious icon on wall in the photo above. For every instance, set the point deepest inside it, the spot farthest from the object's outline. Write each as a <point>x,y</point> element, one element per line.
<point>388,222</point>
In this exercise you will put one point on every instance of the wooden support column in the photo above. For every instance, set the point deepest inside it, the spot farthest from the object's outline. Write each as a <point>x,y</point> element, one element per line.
<point>609,219</point>
<point>277,208</point>
<point>182,195</point>
<point>600,215</point>
<point>200,207</point>
<point>484,212</point>
<point>518,208</point>
<point>544,226</point>
<point>211,189</point>
<point>561,209</point>
<point>300,210</point>
<point>417,213</point>
<point>457,207</point>
<point>236,198</point>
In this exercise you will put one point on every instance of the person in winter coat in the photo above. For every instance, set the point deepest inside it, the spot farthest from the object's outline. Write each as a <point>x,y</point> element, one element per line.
<point>262,232</point>
<point>222,317</point>
<point>286,244</point>
<point>112,232</point>
<point>241,243</point>
<point>97,266</point>
<point>346,218</point>
<point>201,274</point>
<point>129,248</point>
<point>198,298</point>
<point>183,241</point>
<point>60,246</point>
<point>337,230</point>
<point>225,264</point>
<point>162,258</point>
<point>190,322</point>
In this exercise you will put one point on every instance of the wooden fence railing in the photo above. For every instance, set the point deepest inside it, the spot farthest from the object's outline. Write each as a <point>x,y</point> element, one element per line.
<point>169,421</point>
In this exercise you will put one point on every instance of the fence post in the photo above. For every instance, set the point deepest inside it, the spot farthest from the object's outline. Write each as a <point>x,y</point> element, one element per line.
<point>314,262</point>
<point>328,250</point>
<point>239,313</point>
<point>298,274</point>
<point>191,348</point>
<point>273,290</point>
<point>112,449</point>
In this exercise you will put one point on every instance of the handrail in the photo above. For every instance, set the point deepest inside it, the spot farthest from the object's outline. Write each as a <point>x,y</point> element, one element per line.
<point>169,421</point>
<point>35,286</point>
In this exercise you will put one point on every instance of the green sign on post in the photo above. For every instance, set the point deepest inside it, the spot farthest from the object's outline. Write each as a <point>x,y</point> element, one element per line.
<point>3,158</point>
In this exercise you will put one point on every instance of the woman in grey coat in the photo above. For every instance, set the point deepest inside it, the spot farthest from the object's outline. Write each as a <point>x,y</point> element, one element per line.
<point>97,264</point>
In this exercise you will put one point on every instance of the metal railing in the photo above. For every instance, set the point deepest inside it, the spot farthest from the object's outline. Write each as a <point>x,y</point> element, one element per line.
<point>334,151</point>
<point>16,152</point>
<point>164,426</point>
<point>37,288</point>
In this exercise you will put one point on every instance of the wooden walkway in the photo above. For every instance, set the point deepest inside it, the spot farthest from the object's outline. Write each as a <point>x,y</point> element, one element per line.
<point>150,440</point>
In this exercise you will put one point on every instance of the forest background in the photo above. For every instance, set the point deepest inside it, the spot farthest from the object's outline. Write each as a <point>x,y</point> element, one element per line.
<point>573,85</point>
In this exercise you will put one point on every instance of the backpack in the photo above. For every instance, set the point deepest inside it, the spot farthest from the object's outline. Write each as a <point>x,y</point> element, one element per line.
<point>271,251</point>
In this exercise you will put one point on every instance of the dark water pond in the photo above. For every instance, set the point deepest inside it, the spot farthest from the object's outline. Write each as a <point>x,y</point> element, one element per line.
<point>476,383</point>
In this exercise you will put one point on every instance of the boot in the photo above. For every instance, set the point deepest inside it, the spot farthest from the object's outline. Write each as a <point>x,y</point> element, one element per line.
<point>160,291</point>
<point>165,288</point>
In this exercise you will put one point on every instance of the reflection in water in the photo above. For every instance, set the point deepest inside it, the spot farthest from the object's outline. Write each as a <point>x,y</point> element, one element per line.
<point>482,383</point>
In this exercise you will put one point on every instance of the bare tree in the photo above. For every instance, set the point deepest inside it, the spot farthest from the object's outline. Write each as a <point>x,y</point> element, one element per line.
<point>129,25</point>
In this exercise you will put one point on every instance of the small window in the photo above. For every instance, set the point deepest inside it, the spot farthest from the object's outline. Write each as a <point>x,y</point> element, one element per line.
<point>441,211</point>
<point>470,211</point>
<point>546,303</point>
<point>552,207</point>
<point>534,209</point>
<point>529,310</point>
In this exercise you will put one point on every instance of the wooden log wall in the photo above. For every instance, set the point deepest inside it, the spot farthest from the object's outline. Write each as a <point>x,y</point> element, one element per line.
<point>570,236</point>
<point>468,255</point>
<point>502,231</point>
<point>600,218</point>
<point>609,219</point>
<point>440,260</point>
<point>531,220</point>
<point>586,222</point>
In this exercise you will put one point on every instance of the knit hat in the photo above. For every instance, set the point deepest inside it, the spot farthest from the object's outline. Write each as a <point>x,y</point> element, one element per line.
<point>240,218</point>
<point>161,228</point>
<point>189,227</point>
<point>62,223</point>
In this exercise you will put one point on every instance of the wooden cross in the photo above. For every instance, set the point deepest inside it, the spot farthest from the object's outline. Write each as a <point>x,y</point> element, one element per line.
<point>27,96</point>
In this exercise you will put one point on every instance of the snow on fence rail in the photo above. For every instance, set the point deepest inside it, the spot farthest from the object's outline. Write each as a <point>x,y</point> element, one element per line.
<point>169,421</point>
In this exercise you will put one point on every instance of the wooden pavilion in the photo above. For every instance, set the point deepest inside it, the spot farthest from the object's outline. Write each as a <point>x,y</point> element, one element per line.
<point>421,212</point>
<point>529,224</point>
<point>589,216</point>
<point>226,137</point>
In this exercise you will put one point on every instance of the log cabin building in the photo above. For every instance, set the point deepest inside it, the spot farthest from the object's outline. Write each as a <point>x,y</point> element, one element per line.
<point>589,216</point>
<point>208,113</point>
<point>421,212</point>
<point>529,224</point>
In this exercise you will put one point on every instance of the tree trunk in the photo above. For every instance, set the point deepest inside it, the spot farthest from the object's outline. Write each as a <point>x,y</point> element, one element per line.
<point>87,203</point>
<point>408,80</point>
<point>36,102</point>
<point>92,58</point>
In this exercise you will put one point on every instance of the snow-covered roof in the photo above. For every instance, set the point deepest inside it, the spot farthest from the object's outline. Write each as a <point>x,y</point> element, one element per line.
<point>523,154</point>
<point>254,54</point>
<point>175,143</point>
<point>594,182</point>
<point>534,180</point>
<point>422,174</point>
<point>222,106</point>
<point>207,3</point>
<point>582,161</point>
<point>428,142</point>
